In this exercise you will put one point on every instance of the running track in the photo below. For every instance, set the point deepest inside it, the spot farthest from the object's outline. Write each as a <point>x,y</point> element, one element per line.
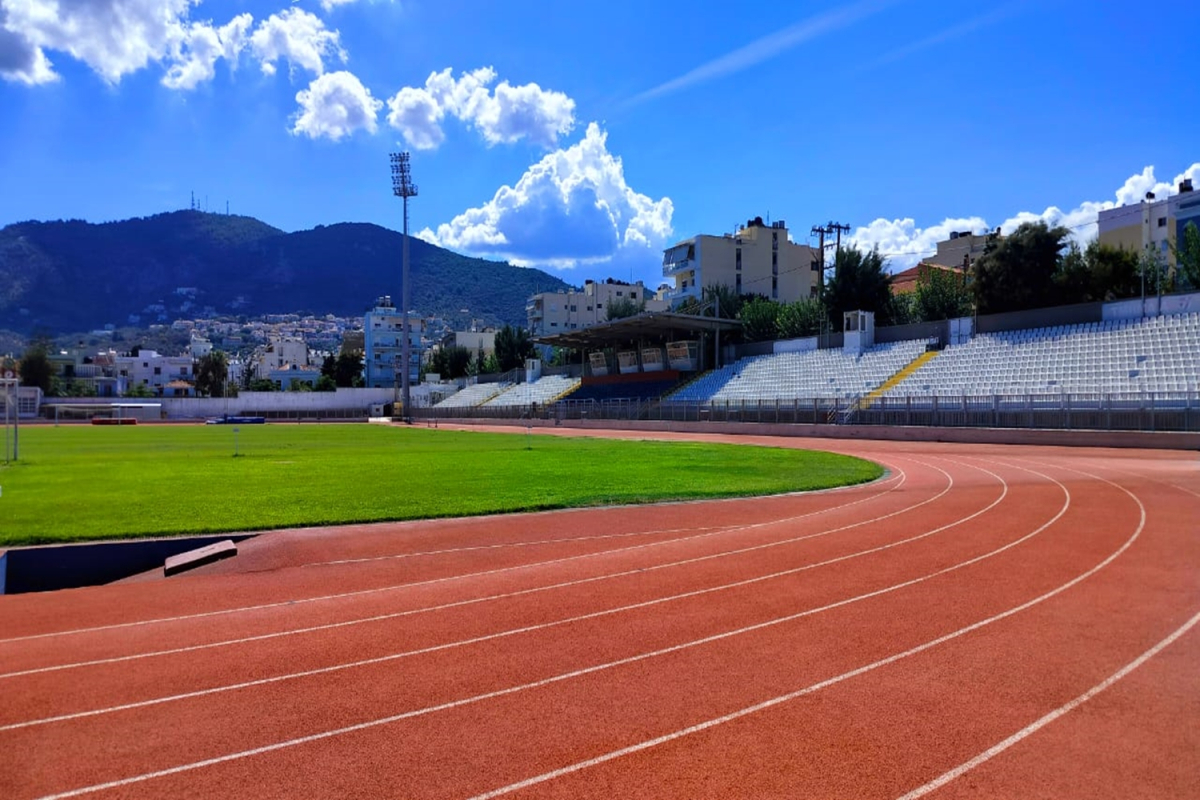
<point>984,622</point>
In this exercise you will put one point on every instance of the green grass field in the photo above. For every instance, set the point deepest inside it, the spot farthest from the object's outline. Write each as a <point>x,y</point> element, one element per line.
<point>77,483</point>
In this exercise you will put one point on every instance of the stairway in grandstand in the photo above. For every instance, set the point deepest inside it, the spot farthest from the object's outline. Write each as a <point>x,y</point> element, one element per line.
<point>807,375</point>
<point>1158,354</point>
<point>907,370</point>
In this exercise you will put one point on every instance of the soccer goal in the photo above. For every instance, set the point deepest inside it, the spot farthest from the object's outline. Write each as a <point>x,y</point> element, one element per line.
<point>107,413</point>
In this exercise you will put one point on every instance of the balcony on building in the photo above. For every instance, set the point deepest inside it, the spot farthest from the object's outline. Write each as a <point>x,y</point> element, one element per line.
<point>673,268</point>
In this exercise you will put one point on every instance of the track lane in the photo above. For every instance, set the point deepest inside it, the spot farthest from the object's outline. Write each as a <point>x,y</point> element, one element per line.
<point>47,693</point>
<point>29,617</point>
<point>358,760</point>
<point>444,667</point>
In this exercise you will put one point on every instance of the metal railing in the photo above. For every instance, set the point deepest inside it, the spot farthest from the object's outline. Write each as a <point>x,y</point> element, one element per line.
<point>1150,411</point>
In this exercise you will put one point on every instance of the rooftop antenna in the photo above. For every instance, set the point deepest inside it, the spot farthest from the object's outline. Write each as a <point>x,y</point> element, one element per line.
<point>193,200</point>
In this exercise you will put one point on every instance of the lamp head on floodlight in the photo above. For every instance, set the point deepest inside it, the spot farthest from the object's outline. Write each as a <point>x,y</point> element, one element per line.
<point>402,185</point>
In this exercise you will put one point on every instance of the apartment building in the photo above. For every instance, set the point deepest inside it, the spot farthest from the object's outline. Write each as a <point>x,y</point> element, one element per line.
<point>757,259</point>
<point>166,376</point>
<point>962,249</point>
<point>383,344</point>
<point>556,312</point>
<point>1155,224</point>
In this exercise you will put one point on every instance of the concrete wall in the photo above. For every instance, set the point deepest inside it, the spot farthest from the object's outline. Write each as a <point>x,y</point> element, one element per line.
<point>1053,438</point>
<point>263,402</point>
<point>1040,318</point>
<point>1136,308</point>
<point>918,330</point>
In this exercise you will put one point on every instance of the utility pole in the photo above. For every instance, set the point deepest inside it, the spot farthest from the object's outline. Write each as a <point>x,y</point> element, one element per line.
<point>839,228</point>
<point>820,231</point>
<point>403,187</point>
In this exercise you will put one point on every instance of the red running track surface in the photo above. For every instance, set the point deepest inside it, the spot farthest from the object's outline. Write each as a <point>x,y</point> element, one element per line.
<point>983,622</point>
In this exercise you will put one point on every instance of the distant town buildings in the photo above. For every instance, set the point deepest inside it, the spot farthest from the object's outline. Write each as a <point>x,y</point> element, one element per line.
<point>758,259</point>
<point>907,280</point>
<point>555,312</point>
<point>1154,225</point>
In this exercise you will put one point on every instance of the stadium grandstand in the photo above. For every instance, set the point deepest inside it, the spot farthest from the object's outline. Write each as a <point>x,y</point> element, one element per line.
<point>1109,366</point>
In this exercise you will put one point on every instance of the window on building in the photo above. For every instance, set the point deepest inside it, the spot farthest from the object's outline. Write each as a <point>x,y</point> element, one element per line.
<point>737,258</point>
<point>774,240</point>
<point>1162,222</point>
<point>775,260</point>
<point>572,308</point>
<point>553,324</point>
<point>633,295</point>
<point>158,370</point>
<point>812,291</point>
<point>589,308</point>
<point>774,288</point>
<point>738,284</point>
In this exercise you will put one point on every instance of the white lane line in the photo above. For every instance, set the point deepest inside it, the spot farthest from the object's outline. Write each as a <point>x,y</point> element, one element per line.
<point>1065,708</point>
<point>775,701</point>
<point>514,631</point>
<point>361,592</point>
<point>505,595</point>
<point>599,668</point>
<point>505,545</point>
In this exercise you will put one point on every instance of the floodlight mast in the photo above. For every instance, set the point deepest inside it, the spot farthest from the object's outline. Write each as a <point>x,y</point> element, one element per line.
<point>403,187</point>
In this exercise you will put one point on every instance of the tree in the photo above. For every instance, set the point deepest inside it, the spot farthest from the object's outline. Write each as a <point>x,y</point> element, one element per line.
<point>139,390</point>
<point>1187,256</point>
<point>1112,272</point>
<point>625,307</point>
<point>941,294</point>
<point>759,319</point>
<point>513,347</point>
<point>212,371</point>
<point>35,368</point>
<point>490,365</point>
<point>1018,272</point>
<point>347,370</point>
<point>450,362</point>
<point>326,383</point>
<point>262,385</point>
<point>801,318</point>
<point>860,283</point>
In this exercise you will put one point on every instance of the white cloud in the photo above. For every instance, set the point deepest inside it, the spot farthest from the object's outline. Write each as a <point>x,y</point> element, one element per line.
<point>298,36</point>
<point>335,105</point>
<point>194,57</point>
<point>20,59</point>
<point>507,115</point>
<point>113,37</point>
<point>329,5</point>
<point>118,37</point>
<point>905,244</point>
<point>572,207</point>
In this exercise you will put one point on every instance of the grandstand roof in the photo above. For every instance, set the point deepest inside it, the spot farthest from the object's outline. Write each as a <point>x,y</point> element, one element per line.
<point>648,325</point>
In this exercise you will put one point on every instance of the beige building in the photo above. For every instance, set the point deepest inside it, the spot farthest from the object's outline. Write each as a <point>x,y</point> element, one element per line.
<point>962,249</point>
<point>555,312</point>
<point>1153,225</point>
<point>758,259</point>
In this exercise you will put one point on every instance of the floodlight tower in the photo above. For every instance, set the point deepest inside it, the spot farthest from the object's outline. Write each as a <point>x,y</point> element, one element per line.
<point>403,187</point>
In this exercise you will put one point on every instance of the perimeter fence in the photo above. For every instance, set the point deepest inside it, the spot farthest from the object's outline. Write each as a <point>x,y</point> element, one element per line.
<point>1150,411</point>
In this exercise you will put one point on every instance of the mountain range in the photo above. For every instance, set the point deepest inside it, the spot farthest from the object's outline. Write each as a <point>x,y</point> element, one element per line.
<point>69,276</point>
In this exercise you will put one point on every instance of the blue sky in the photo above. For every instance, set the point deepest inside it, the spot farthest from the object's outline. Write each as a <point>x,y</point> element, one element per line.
<point>584,137</point>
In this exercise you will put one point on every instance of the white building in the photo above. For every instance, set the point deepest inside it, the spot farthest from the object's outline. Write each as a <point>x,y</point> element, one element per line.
<point>556,312</point>
<point>383,345</point>
<point>1154,225</point>
<point>149,368</point>
<point>758,259</point>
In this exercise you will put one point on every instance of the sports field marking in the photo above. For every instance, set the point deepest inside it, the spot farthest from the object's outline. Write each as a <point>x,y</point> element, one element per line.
<point>504,545</point>
<point>630,660</point>
<point>1065,708</point>
<point>394,587</point>
<point>592,579</point>
<point>517,631</point>
<point>774,701</point>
